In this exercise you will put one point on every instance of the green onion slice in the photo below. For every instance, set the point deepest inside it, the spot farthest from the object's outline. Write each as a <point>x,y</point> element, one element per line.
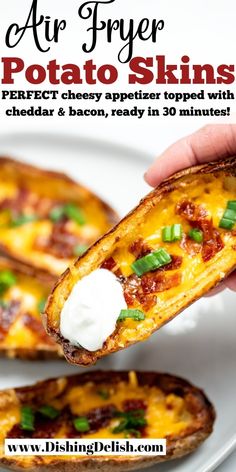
<point>23,219</point>
<point>136,315</point>
<point>41,305</point>
<point>172,233</point>
<point>80,249</point>
<point>70,210</point>
<point>104,394</point>
<point>231,205</point>
<point>130,421</point>
<point>81,424</point>
<point>49,411</point>
<point>151,261</point>
<point>7,280</point>
<point>230,214</point>
<point>226,224</point>
<point>196,234</point>
<point>74,213</point>
<point>27,418</point>
<point>56,214</point>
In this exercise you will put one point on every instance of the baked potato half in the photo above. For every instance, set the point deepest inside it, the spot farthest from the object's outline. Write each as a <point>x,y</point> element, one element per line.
<point>111,405</point>
<point>174,247</point>
<point>23,294</point>
<point>47,219</point>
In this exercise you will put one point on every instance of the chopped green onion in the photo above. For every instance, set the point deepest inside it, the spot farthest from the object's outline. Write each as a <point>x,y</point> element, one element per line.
<point>196,234</point>
<point>104,394</point>
<point>231,205</point>
<point>57,213</point>
<point>7,280</point>
<point>151,261</point>
<point>131,420</point>
<point>230,215</point>
<point>49,411</point>
<point>167,234</point>
<point>80,249</point>
<point>70,210</point>
<point>226,224</point>
<point>81,424</point>
<point>41,305</point>
<point>74,213</point>
<point>136,315</point>
<point>27,418</point>
<point>3,304</point>
<point>172,233</point>
<point>22,220</point>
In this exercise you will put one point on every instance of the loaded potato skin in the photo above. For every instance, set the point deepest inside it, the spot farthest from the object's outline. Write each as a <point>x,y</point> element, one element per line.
<point>23,294</point>
<point>118,405</point>
<point>46,219</point>
<point>174,247</point>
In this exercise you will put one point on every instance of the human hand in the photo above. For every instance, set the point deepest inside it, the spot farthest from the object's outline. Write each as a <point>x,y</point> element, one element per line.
<point>210,143</point>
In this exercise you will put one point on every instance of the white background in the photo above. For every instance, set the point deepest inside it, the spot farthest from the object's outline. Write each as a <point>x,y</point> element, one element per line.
<point>204,30</point>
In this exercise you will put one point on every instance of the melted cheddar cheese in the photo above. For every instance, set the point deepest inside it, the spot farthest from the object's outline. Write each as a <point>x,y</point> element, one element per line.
<point>212,194</point>
<point>31,242</point>
<point>23,330</point>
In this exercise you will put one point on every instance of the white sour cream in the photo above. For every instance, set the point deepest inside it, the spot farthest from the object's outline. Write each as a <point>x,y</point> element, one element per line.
<point>90,313</point>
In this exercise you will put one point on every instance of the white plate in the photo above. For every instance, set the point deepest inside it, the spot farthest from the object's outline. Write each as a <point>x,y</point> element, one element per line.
<point>200,345</point>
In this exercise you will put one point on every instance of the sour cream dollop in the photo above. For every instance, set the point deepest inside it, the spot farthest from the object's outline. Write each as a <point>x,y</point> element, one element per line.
<point>90,313</point>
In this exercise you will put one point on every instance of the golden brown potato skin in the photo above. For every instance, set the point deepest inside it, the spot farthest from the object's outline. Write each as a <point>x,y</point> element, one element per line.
<point>97,254</point>
<point>47,349</point>
<point>59,187</point>
<point>201,408</point>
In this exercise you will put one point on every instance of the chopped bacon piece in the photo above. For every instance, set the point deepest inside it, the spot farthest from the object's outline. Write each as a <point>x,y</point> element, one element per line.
<point>60,243</point>
<point>176,262</point>
<point>190,246</point>
<point>191,211</point>
<point>36,326</point>
<point>110,264</point>
<point>8,315</point>
<point>100,417</point>
<point>139,248</point>
<point>44,427</point>
<point>197,217</point>
<point>158,282</point>
<point>134,404</point>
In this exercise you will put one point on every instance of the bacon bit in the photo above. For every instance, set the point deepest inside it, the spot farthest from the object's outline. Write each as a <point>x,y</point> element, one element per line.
<point>190,246</point>
<point>134,404</point>
<point>131,287</point>
<point>44,427</point>
<point>111,265</point>
<point>176,262</point>
<point>234,247</point>
<point>197,217</point>
<point>36,327</point>
<point>100,417</point>
<point>191,211</point>
<point>139,248</point>
<point>156,282</point>
<point>60,243</point>
<point>212,246</point>
<point>8,315</point>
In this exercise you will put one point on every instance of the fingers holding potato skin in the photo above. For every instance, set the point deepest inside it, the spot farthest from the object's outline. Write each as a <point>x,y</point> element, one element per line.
<point>210,143</point>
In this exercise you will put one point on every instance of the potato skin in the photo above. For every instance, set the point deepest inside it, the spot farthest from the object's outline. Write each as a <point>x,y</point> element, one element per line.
<point>55,185</point>
<point>177,447</point>
<point>97,253</point>
<point>52,351</point>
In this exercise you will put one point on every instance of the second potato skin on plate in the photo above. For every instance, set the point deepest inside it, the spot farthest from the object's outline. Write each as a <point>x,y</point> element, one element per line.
<point>46,218</point>
<point>194,200</point>
<point>23,293</point>
<point>109,405</point>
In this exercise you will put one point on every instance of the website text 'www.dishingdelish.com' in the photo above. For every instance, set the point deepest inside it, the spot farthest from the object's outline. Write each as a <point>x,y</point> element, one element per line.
<point>85,447</point>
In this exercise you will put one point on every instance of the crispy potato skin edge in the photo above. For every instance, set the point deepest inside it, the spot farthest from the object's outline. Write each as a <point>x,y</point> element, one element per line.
<point>176,449</point>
